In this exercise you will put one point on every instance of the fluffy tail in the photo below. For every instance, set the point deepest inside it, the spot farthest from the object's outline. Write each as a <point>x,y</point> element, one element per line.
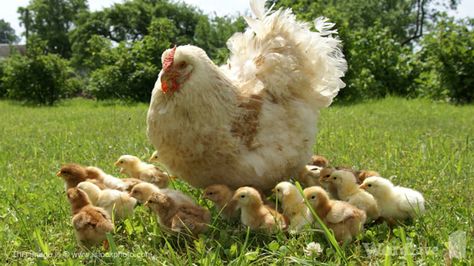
<point>283,56</point>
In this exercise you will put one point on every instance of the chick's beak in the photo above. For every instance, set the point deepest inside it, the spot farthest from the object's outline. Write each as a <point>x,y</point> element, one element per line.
<point>116,163</point>
<point>363,186</point>
<point>58,173</point>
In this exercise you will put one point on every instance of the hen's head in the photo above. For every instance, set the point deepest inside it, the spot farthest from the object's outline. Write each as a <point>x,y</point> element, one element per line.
<point>180,64</point>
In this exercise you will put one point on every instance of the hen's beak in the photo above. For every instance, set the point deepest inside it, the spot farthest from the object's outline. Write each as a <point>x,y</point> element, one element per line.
<point>363,186</point>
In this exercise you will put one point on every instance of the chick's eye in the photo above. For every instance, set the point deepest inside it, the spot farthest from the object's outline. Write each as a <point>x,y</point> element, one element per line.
<point>369,185</point>
<point>313,197</point>
<point>242,196</point>
<point>334,178</point>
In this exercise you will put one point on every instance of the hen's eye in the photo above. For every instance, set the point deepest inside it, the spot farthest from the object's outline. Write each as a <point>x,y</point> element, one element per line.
<point>182,64</point>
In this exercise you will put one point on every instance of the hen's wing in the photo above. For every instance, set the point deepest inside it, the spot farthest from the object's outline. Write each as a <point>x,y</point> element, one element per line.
<point>285,58</point>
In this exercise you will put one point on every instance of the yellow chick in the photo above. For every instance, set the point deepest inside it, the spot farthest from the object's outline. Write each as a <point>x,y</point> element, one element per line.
<point>144,190</point>
<point>90,223</point>
<point>112,201</point>
<point>133,167</point>
<point>154,157</point>
<point>345,220</point>
<point>348,190</point>
<point>310,176</point>
<point>179,217</point>
<point>221,195</point>
<point>395,203</point>
<point>293,206</point>
<point>255,214</point>
<point>109,181</point>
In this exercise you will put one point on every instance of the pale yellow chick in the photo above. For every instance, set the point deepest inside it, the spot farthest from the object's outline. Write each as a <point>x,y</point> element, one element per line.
<point>133,167</point>
<point>221,195</point>
<point>90,223</point>
<point>109,181</point>
<point>345,220</point>
<point>178,216</point>
<point>112,201</point>
<point>395,203</point>
<point>348,190</point>
<point>255,214</point>
<point>293,206</point>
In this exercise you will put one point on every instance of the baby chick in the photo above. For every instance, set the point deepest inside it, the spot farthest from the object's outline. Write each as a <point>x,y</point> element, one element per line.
<point>255,214</point>
<point>310,176</point>
<point>179,216</point>
<point>72,174</point>
<point>221,195</point>
<point>345,220</point>
<point>363,174</point>
<point>144,190</point>
<point>324,176</point>
<point>90,223</point>
<point>134,167</point>
<point>293,206</point>
<point>108,180</point>
<point>320,161</point>
<point>118,202</point>
<point>348,190</point>
<point>395,203</point>
<point>154,157</point>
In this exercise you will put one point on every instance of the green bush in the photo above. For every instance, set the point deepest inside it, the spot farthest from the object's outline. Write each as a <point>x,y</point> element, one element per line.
<point>129,76</point>
<point>3,90</point>
<point>39,79</point>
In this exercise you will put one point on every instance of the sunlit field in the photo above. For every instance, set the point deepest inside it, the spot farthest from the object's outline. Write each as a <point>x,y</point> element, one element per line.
<point>419,144</point>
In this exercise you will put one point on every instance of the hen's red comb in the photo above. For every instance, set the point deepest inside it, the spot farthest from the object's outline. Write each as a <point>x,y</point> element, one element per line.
<point>168,61</point>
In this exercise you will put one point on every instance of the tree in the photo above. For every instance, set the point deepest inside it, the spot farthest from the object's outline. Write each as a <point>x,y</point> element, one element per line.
<point>447,61</point>
<point>7,33</point>
<point>52,20</point>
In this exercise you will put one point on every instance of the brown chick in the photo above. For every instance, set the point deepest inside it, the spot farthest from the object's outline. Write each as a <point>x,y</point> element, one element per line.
<point>319,160</point>
<point>90,223</point>
<point>221,195</point>
<point>72,174</point>
<point>178,217</point>
<point>363,174</point>
<point>309,176</point>
<point>345,220</point>
<point>255,214</point>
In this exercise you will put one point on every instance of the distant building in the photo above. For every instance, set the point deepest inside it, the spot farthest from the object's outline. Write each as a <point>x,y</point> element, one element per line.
<point>7,49</point>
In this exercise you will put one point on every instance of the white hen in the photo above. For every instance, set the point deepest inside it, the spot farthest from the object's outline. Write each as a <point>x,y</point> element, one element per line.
<point>254,123</point>
<point>395,203</point>
<point>112,201</point>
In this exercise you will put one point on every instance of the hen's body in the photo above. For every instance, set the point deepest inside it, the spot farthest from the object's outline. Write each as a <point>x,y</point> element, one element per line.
<point>253,124</point>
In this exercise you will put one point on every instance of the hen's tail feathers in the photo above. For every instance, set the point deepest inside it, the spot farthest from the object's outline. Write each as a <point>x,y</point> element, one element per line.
<point>287,59</point>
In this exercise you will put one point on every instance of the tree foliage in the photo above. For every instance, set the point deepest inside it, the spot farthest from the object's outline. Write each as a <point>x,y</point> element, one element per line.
<point>7,33</point>
<point>51,21</point>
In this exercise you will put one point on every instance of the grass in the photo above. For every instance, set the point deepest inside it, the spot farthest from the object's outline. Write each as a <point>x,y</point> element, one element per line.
<point>424,145</point>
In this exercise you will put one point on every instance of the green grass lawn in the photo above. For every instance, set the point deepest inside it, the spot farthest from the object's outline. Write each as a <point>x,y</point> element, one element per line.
<point>423,145</point>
